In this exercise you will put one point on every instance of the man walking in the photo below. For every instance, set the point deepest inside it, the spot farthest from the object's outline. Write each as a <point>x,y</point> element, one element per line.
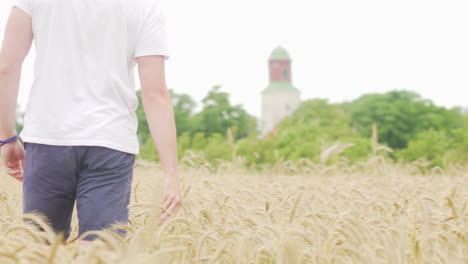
<point>80,124</point>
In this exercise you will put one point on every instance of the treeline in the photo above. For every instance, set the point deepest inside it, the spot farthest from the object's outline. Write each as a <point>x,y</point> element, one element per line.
<point>399,125</point>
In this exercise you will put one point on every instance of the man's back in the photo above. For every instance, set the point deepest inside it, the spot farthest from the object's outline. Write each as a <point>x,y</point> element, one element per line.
<point>83,91</point>
<point>79,134</point>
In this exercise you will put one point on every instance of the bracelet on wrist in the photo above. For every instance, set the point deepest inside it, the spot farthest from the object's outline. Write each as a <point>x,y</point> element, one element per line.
<point>10,140</point>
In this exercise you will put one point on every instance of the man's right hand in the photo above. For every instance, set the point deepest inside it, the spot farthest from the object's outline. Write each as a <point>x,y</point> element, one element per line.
<point>172,198</point>
<point>12,155</point>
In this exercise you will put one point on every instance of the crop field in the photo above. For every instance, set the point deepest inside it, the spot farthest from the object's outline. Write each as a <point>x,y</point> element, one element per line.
<point>292,213</point>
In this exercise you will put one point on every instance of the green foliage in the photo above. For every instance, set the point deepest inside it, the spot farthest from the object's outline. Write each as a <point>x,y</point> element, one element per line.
<point>257,151</point>
<point>360,151</point>
<point>431,145</point>
<point>199,141</point>
<point>19,127</point>
<point>314,126</point>
<point>459,151</point>
<point>183,143</point>
<point>218,115</point>
<point>148,151</point>
<point>416,128</point>
<point>216,148</point>
<point>184,107</point>
<point>400,116</point>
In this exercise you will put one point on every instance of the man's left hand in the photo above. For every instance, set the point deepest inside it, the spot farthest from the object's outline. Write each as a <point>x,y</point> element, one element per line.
<point>12,155</point>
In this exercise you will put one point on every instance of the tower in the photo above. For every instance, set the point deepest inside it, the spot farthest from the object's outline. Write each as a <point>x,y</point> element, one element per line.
<point>280,98</point>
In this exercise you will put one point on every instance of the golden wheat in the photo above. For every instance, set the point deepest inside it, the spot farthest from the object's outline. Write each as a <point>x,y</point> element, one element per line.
<point>372,212</point>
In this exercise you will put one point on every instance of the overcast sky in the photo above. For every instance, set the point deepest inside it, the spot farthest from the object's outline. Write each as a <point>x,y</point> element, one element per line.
<point>340,49</point>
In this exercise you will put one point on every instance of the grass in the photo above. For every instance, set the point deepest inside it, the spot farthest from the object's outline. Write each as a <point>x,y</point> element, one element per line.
<point>373,212</point>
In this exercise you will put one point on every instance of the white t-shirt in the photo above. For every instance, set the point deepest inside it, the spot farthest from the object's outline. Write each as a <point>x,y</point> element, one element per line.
<point>83,91</point>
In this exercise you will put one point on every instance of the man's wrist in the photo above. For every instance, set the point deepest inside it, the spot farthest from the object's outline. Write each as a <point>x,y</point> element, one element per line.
<point>8,140</point>
<point>4,135</point>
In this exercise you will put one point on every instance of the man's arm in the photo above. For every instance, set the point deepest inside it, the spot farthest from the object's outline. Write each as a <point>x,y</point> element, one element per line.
<point>16,45</point>
<point>159,112</point>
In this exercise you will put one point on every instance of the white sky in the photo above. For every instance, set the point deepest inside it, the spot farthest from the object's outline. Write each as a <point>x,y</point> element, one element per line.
<point>340,49</point>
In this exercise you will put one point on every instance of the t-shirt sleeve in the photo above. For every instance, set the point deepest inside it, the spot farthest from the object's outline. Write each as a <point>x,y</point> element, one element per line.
<point>152,39</point>
<point>25,5</point>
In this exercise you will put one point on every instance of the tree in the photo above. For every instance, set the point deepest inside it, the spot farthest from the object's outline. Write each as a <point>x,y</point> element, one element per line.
<point>198,141</point>
<point>431,145</point>
<point>459,150</point>
<point>218,115</point>
<point>400,116</point>
<point>184,107</point>
<point>315,125</point>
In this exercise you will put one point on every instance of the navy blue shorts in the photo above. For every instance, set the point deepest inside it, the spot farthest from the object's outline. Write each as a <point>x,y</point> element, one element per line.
<point>98,178</point>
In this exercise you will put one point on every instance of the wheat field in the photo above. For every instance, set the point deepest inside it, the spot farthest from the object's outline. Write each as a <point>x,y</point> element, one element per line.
<point>374,212</point>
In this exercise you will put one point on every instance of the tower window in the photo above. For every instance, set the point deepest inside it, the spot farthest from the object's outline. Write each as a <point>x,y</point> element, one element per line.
<point>285,74</point>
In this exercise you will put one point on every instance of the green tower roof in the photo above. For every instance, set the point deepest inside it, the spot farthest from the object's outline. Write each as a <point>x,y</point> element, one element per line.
<point>280,53</point>
<point>280,86</point>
